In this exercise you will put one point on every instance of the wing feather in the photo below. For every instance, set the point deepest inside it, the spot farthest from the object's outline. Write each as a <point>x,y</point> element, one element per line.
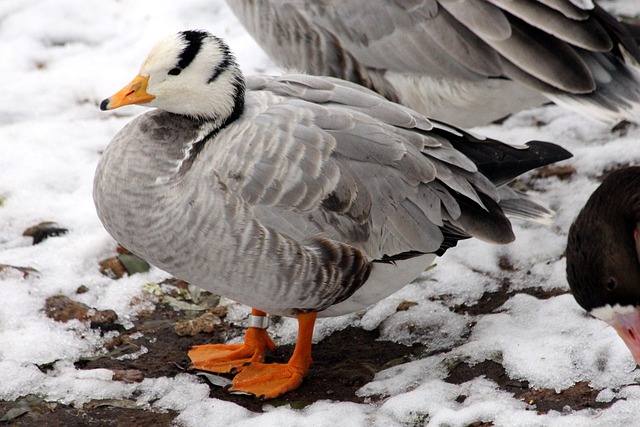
<point>355,168</point>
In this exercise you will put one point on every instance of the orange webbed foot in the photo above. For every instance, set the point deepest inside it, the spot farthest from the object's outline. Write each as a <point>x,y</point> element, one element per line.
<point>267,381</point>
<point>225,358</point>
<point>272,380</point>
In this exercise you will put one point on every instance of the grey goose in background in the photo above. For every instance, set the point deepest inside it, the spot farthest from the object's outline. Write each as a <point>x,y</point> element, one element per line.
<point>465,62</point>
<point>296,195</point>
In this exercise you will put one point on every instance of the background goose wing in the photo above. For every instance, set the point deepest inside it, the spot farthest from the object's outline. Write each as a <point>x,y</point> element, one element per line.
<point>540,43</point>
<point>574,55</point>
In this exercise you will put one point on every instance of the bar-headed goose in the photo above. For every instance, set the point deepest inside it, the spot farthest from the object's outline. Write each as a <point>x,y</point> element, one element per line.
<point>296,195</point>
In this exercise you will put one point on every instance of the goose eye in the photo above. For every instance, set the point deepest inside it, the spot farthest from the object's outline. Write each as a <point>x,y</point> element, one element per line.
<point>175,71</point>
<point>611,284</point>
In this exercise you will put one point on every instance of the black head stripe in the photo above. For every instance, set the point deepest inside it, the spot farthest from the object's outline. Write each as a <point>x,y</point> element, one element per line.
<point>219,69</point>
<point>191,49</point>
<point>227,60</point>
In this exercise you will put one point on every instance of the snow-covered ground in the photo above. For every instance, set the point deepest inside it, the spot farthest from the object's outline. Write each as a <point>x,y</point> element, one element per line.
<point>59,58</point>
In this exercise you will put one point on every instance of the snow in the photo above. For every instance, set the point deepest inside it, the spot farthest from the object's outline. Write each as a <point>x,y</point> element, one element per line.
<point>59,58</point>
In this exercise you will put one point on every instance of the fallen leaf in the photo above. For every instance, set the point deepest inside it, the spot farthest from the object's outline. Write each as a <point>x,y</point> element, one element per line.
<point>133,263</point>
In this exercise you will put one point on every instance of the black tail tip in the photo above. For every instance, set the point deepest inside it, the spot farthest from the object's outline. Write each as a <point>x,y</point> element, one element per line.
<point>548,151</point>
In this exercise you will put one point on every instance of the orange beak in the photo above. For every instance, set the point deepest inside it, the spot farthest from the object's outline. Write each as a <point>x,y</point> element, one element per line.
<point>133,93</point>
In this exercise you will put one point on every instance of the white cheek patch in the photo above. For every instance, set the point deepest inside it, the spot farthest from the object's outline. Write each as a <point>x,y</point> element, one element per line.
<point>165,52</point>
<point>607,313</point>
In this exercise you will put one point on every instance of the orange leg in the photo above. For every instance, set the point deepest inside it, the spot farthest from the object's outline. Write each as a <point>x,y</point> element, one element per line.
<point>271,380</point>
<point>224,358</point>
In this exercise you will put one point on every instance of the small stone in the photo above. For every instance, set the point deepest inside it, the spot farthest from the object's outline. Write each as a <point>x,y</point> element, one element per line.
<point>128,375</point>
<point>123,263</point>
<point>219,310</point>
<point>113,343</point>
<point>561,172</point>
<point>103,319</point>
<point>120,340</point>
<point>181,284</point>
<point>82,290</point>
<point>43,230</point>
<point>31,231</point>
<point>406,305</point>
<point>112,267</point>
<point>207,322</point>
<point>504,263</point>
<point>62,309</point>
<point>122,250</point>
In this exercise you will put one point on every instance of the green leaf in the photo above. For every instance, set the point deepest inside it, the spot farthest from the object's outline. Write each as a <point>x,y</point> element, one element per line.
<point>15,412</point>
<point>23,406</point>
<point>133,263</point>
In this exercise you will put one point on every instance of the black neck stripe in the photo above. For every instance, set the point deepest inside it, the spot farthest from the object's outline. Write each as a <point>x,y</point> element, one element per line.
<point>197,146</point>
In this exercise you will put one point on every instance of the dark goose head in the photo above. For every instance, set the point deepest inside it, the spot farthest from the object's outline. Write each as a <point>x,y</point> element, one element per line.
<point>603,267</point>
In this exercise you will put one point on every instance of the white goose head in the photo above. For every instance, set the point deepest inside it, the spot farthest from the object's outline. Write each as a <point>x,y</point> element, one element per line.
<point>191,73</point>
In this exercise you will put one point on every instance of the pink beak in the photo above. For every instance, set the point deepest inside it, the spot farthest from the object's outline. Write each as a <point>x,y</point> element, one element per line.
<point>628,327</point>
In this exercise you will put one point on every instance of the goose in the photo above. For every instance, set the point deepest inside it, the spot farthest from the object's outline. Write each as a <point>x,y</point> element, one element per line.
<point>603,253</point>
<point>465,62</point>
<point>296,195</point>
